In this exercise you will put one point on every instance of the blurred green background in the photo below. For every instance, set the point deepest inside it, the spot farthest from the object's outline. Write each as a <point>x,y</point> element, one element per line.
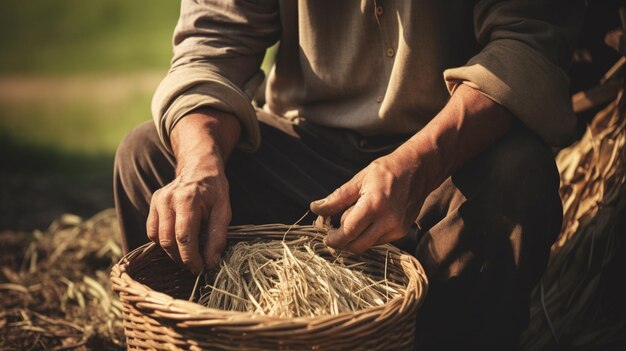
<point>75,77</point>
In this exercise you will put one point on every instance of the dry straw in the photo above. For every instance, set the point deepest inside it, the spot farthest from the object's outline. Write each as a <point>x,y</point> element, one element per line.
<point>577,305</point>
<point>293,278</point>
<point>55,288</point>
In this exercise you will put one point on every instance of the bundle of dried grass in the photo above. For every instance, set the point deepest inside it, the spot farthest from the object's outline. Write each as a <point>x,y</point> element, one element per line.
<point>575,306</point>
<point>55,287</point>
<point>293,278</point>
<point>592,170</point>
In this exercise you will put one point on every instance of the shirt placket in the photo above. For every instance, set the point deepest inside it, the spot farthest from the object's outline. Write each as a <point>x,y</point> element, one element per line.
<point>384,20</point>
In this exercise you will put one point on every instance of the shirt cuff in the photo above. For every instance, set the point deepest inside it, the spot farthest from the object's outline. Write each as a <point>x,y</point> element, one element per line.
<point>183,91</point>
<point>526,83</point>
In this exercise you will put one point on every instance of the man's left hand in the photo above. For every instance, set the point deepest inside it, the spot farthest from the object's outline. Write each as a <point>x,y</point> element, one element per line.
<point>380,203</point>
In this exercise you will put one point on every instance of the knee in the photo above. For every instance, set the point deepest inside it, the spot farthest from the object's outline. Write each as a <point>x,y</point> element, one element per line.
<point>524,165</point>
<point>513,202</point>
<point>528,180</point>
<point>517,181</point>
<point>525,175</point>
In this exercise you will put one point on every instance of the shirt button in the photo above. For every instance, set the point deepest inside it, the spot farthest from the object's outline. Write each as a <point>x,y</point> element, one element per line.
<point>390,52</point>
<point>379,10</point>
<point>379,99</point>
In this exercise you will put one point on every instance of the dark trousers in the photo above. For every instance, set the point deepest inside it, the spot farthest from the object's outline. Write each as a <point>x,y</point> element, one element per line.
<point>483,237</point>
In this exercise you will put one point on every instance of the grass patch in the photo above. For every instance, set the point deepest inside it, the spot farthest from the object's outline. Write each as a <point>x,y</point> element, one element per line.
<point>69,36</point>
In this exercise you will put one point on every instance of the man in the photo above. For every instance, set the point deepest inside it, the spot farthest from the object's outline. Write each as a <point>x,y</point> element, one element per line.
<point>359,118</point>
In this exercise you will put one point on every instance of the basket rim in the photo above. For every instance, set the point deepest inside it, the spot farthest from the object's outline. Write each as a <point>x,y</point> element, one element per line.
<point>192,314</point>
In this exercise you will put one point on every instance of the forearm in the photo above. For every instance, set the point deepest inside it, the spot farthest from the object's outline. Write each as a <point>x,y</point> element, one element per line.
<point>202,135</point>
<point>467,125</point>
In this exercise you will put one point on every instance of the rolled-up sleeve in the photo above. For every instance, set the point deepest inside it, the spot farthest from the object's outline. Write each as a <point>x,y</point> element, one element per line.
<point>218,49</point>
<point>526,51</point>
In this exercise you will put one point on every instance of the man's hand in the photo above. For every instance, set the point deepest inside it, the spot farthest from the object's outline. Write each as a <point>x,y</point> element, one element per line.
<point>380,203</point>
<point>198,197</point>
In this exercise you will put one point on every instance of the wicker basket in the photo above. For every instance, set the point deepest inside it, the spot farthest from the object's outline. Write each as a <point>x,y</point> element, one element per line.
<point>153,292</point>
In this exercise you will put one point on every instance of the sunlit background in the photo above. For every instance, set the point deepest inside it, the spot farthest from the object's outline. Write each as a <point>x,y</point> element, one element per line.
<point>75,76</point>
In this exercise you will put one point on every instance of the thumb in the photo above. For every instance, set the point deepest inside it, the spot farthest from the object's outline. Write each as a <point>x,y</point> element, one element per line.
<point>340,199</point>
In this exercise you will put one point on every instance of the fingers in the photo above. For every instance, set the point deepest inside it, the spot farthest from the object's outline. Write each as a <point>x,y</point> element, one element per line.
<point>376,234</point>
<point>175,230</point>
<point>339,199</point>
<point>152,224</point>
<point>366,224</point>
<point>369,238</point>
<point>389,237</point>
<point>353,224</point>
<point>167,236</point>
<point>174,223</point>
<point>345,214</point>
<point>219,219</point>
<point>186,232</point>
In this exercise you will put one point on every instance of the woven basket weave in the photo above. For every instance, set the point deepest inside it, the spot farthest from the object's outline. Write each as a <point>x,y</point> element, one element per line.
<point>153,292</point>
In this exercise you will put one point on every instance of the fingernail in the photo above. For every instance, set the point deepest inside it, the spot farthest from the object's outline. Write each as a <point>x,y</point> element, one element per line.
<point>319,202</point>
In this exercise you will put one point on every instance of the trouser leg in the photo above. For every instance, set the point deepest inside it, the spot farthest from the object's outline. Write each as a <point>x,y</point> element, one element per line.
<point>277,183</point>
<point>486,237</point>
<point>142,166</point>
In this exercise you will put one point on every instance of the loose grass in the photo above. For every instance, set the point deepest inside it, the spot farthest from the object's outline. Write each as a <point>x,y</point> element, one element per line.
<point>293,278</point>
<point>55,287</point>
<point>578,304</point>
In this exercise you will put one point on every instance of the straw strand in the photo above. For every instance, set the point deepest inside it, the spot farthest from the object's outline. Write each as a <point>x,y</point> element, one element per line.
<point>293,278</point>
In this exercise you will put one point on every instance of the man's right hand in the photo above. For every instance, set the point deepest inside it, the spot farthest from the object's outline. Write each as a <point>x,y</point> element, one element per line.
<point>198,197</point>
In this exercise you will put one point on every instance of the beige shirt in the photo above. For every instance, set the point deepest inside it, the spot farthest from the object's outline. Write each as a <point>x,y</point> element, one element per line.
<point>375,67</point>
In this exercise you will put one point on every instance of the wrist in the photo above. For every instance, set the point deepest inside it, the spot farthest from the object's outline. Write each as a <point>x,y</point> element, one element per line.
<point>468,124</point>
<point>205,137</point>
<point>423,159</point>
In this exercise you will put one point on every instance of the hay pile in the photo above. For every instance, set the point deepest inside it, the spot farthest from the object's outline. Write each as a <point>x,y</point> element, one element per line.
<point>55,286</point>
<point>579,303</point>
<point>293,278</point>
